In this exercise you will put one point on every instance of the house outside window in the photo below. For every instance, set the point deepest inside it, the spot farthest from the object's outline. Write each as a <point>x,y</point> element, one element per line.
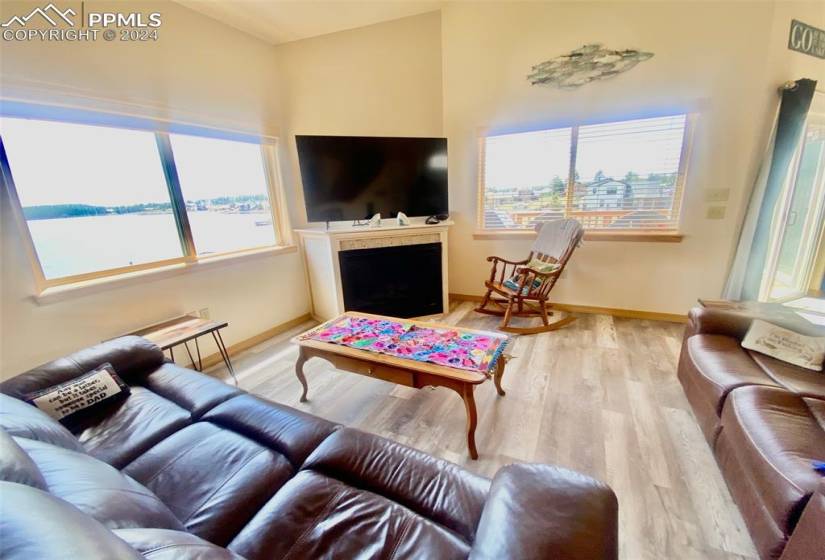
<point>625,176</point>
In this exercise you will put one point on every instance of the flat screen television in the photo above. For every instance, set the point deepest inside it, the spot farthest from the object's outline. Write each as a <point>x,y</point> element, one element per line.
<point>355,177</point>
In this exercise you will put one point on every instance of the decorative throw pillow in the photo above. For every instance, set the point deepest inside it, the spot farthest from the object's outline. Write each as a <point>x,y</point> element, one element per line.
<point>543,267</point>
<point>515,281</point>
<point>785,345</point>
<point>67,400</point>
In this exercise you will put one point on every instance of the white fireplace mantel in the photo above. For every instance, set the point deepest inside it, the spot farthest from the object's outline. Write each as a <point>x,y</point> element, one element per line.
<point>320,247</point>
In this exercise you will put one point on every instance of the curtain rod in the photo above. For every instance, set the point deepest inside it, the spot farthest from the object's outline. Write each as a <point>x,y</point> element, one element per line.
<point>791,85</point>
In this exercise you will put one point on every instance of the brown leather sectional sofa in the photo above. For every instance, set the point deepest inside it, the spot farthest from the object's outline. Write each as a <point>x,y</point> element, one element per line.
<point>188,467</point>
<point>765,421</point>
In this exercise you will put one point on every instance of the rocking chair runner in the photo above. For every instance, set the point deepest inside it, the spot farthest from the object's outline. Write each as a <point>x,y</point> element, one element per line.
<point>528,289</point>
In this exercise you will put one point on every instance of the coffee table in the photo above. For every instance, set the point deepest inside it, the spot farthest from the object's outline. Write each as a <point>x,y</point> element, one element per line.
<point>406,372</point>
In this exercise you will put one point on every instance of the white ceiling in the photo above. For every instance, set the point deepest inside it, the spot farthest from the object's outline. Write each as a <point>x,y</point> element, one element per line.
<point>283,21</point>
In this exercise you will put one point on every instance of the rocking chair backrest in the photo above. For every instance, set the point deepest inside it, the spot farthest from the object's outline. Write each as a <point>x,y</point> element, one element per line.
<point>555,243</point>
<point>555,239</point>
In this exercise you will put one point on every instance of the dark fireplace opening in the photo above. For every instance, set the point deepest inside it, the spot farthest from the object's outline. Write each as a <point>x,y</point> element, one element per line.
<point>401,281</point>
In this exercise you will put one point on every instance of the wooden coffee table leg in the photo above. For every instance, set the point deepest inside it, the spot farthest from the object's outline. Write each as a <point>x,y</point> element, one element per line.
<point>472,418</point>
<point>502,363</point>
<point>299,371</point>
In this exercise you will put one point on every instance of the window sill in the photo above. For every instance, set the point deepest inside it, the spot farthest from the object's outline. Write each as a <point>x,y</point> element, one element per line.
<point>67,291</point>
<point>643,236</point>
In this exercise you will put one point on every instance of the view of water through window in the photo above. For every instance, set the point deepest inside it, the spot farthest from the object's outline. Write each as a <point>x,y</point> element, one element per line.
<point>95,198</point>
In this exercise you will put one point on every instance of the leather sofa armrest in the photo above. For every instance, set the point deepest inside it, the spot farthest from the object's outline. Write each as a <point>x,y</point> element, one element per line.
<point>702,320</point>
<point>131,356</point>
<point>537,511</point>
<point>807,540</point>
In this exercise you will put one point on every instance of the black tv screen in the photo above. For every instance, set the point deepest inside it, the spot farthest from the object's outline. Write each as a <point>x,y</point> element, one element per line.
<point>355,177</point>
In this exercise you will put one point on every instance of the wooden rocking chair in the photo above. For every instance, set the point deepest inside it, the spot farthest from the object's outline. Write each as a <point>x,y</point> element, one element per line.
<point>528,289</point>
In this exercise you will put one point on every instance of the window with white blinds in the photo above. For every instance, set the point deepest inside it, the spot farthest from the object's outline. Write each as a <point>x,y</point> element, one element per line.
<point>618,176</point>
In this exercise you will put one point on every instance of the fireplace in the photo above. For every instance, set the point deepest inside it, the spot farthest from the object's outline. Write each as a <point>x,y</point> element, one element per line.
<point>387,270</point>
<point>401,281</point>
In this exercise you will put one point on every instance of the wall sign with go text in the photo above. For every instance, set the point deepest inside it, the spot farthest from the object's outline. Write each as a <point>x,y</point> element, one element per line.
<point>806,39</point>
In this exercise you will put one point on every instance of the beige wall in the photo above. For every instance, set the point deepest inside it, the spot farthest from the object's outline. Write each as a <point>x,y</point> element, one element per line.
<point>379,80</point>
<point>786,64</point>
<point>720,60</point>
<point>199,71</point>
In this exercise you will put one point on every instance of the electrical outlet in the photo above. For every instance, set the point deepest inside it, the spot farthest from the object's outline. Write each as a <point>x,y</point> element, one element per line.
<point>204,313</point>
<point>715,212</point>
<point>717,195</point>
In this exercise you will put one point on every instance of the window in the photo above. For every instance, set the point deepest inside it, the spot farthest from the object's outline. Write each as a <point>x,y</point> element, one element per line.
<point>93,198</point>
<point>102,200</point>
<point>225,189</point>
<point>799,223</point>
<point>615,177</point>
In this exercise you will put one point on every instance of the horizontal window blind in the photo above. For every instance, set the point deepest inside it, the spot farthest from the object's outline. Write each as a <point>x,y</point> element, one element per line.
<point>626,174</point>
<point>525,177</point>
<point>614,176</point>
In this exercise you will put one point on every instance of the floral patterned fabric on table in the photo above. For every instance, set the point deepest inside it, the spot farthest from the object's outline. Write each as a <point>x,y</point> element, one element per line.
<point>474,351</point>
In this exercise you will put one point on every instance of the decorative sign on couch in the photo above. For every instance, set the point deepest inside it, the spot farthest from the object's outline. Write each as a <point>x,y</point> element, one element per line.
<point>785,345</point>
<point>806,39</point>
<point>586,64</point>
<point>76,395</point>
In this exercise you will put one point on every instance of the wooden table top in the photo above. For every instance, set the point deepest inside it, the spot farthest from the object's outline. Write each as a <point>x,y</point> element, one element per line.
<point>778,313</point>
<point>393,361</point>
<point>179,330</point>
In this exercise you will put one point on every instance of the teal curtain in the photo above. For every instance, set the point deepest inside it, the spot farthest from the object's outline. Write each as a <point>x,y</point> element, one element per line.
<point>754,240</point>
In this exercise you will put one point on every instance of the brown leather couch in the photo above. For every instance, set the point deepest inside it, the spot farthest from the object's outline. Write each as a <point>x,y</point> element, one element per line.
<point>189,467</point>
<point>765,421</point>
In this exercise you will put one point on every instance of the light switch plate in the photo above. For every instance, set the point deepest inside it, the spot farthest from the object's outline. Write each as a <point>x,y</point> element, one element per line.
<point>717,195</point>
<point>715,212</point>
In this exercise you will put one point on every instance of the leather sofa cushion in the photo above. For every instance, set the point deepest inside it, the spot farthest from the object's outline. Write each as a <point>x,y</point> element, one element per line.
<point>768,537</point>
<point>120,432</point>
<point>131,357</point>
<point>362,495</point>
<point>35,524</point>
<point>450,496</point>
<point>315,516</point>
<point>213,479</point>
<point>798,380</point>
<point>163,544</point>
<point>188,389</point>
<point>16,465</point>
<point>97,489</point>
<point>292,433</point>
<point>162,402</point>
<point>777,434</point>
<point>19,418</point>
<point>722,366</point>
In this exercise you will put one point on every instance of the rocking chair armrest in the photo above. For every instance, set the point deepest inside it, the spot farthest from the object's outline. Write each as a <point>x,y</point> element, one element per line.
<point>499,259</point>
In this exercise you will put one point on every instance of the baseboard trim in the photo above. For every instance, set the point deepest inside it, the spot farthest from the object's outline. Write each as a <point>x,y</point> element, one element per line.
<point>245,344</point>
<point>615,312</point>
